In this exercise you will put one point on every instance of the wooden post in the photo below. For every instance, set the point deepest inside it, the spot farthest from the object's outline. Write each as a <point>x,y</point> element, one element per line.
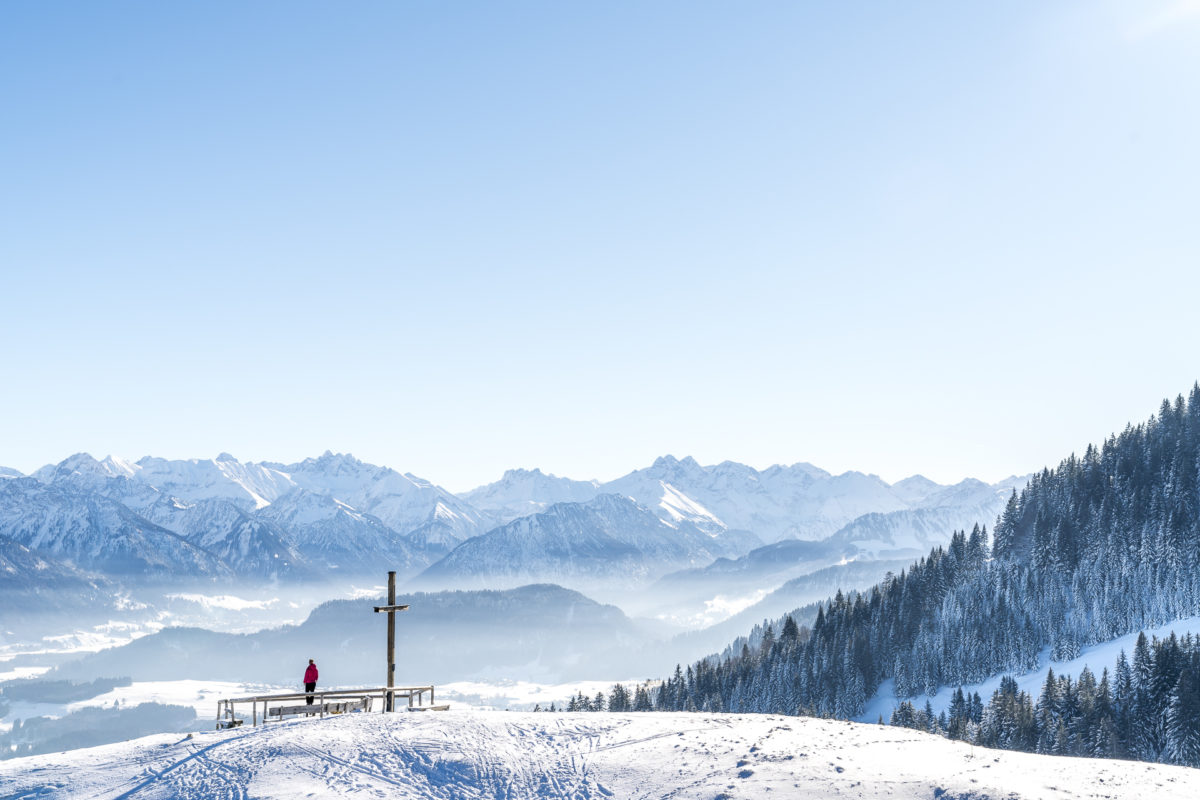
<point>391,644</point>
<point>391,608</point>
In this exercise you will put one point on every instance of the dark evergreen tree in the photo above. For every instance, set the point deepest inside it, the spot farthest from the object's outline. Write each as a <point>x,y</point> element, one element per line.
<point>1183,719</point>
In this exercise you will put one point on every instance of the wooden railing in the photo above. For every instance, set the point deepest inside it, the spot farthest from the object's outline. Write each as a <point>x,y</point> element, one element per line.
<point>318,704</point>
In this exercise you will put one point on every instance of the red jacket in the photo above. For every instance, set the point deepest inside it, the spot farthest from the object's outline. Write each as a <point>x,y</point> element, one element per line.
<point>310,674</point>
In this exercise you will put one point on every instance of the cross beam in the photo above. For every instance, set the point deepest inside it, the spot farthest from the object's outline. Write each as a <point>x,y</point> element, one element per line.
<point>390,609</point>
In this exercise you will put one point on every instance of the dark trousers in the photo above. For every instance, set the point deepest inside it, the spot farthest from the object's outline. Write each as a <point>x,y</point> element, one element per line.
<point>308,687</point>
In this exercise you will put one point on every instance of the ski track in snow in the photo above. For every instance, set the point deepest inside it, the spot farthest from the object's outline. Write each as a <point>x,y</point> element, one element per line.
<point>464,755</point>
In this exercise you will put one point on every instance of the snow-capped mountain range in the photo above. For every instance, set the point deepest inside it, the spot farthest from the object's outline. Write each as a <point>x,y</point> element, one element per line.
<point>800,501</point>
<point>321,517</point>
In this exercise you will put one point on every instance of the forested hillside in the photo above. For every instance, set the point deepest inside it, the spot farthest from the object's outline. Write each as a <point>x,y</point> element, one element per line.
<point>1100,546</point>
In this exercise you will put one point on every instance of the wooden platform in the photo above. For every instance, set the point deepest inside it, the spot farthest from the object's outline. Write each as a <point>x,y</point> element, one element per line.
<point>276,707</point>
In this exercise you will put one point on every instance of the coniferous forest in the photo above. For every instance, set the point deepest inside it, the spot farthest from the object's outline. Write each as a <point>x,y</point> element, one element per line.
<point>1101,546</point>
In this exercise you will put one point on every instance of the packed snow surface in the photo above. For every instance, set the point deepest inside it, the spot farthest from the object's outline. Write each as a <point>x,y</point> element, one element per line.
<point>525,755</point>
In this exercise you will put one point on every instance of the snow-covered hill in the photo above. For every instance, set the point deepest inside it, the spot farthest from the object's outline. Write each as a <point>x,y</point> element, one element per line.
<point>466,754</point>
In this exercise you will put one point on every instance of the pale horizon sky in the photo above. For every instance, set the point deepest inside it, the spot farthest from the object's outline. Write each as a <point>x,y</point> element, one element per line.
<point>938,238</point>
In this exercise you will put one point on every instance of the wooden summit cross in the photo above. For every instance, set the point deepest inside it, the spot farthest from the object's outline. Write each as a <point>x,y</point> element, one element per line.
<point>391,608</point>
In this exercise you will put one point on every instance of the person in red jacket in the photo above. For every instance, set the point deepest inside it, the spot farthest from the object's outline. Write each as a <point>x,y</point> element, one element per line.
<point>310,679</point>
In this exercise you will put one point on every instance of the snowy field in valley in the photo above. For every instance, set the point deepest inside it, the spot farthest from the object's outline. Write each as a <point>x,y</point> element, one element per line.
<point>473,754</point>
<point>521,695</point>
<point>203,696</point>
<point>199,695</point>
<point>1096,658</point>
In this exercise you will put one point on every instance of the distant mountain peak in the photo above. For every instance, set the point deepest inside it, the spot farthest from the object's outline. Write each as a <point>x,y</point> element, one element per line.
<point>671,461</point>
<point>85,464</point>
<point>520,473</point>
<point>333,463</point>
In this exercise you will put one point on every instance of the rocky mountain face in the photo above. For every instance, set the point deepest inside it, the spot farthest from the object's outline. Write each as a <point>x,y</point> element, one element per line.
<point>90,531</point>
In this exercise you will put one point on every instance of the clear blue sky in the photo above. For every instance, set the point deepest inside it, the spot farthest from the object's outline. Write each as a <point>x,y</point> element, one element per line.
<point>948,238</point>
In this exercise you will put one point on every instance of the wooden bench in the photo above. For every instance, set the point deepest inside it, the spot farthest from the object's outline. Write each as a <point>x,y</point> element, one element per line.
<point>343,707</point>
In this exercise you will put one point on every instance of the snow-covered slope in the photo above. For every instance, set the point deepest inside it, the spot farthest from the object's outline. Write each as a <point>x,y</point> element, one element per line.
<point>528,491</point>
<point>1097,658</point>
<point>915,488</point>
<point>611,537</point>
<point>248,485</point>
<point>466,754</point>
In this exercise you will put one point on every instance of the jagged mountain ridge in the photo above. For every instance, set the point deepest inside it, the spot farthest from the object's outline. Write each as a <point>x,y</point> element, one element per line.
<point>799,501</point>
